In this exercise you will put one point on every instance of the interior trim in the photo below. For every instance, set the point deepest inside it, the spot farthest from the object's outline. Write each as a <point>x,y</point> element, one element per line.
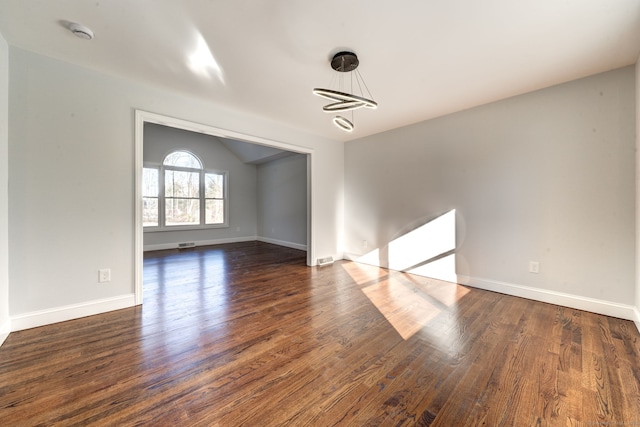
<point>142,117</point>
<point>5,330</point>
<point>607,308</point>
<point>69,312</point>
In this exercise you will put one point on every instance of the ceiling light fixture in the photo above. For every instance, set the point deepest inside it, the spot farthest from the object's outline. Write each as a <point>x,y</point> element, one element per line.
<point>346,62</point>
<point>81,31</point>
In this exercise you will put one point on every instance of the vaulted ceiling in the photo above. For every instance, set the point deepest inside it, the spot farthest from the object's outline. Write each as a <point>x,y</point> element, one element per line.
<point>419,58</point>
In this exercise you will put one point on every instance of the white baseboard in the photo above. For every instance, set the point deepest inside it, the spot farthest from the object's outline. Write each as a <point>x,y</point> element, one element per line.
<point>165,246</point>
<point>69,312</point>
<point>282,243</point>
<point>5,330</point>
<point>607,308</point>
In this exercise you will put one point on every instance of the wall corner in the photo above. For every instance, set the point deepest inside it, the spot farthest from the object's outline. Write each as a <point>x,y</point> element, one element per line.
<point>637,213</point>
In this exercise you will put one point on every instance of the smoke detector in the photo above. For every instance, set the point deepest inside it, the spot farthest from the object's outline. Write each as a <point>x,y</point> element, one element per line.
<point>80,30</point>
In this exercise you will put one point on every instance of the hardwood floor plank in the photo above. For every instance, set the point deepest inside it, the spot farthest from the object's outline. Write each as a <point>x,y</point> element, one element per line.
<point>246,334</point>
<point>547,408</point>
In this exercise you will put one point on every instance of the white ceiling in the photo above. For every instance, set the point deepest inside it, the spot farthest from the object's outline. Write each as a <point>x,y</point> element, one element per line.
<point>420,58</point>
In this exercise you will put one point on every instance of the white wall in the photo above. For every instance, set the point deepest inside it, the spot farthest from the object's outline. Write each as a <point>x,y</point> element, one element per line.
<point>548,176</point>
<point>160,140</point>
<point>5,323</point>
<point>282,201</point>
<point>71,192</point>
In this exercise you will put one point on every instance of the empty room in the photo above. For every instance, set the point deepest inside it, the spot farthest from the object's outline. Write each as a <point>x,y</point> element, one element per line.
<point>295,213</point>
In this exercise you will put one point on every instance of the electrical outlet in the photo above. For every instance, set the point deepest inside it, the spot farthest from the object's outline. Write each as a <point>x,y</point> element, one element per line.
<point>104,275</point>
<point>365,244</point>
<point>534,267</point>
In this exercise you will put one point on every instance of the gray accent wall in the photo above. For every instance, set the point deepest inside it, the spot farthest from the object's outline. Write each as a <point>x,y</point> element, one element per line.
<point>160,140</point>
<point>282,200</point>
<point>547,176</point>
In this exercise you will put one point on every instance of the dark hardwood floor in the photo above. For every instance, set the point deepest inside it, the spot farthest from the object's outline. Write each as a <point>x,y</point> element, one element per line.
<point>246,334</point>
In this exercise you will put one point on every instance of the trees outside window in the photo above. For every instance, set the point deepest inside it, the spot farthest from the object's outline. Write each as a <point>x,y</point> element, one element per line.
<point>181,193</point>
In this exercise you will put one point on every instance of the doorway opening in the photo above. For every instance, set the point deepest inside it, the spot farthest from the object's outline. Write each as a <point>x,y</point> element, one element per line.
<point>142,117</point>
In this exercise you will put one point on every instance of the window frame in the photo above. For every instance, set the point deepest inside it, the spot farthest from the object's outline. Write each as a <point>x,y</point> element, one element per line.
<point>156,197</point>
<point>161,197</point>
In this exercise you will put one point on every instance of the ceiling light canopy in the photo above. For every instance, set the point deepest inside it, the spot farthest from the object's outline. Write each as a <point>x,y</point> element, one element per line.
<point>346,62</point>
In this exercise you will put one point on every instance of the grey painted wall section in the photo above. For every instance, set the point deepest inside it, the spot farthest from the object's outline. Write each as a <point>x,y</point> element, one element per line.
<point>547,176</point>
<point>252,153</point>
<point>282,199</point>
<point>71,181</point>
<point>160,140</point>
<point>4,190</point>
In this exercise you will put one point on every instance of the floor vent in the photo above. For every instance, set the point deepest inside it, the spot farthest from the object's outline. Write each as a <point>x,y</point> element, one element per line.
<point>186,245</point>
<point>325,261</point>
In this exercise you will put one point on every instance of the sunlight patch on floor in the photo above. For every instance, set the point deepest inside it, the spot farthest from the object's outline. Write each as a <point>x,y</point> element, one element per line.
<point>363,273</point>
<point>406,310</point>
<point>421,282</point>
<point>408,302</point>
<point>444,292</point>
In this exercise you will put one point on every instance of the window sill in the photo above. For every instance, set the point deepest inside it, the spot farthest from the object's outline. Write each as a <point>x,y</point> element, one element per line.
<point>183,228</point>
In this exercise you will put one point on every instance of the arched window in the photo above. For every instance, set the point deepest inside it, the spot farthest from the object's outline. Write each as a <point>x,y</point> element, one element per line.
<point>182,159</point>
<point>181,193</point>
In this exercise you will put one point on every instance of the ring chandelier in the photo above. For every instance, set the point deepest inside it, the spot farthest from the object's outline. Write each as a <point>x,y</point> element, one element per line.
<point>346,62</point>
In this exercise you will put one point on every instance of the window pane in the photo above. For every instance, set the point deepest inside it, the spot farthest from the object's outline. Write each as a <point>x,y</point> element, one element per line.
<point>215,212</point>
<point>182,159</point>
<point>181,184</point>
<point>214,186</point>
<point>149,182</point>
<point>150,212</point>
<point>182,211</point>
